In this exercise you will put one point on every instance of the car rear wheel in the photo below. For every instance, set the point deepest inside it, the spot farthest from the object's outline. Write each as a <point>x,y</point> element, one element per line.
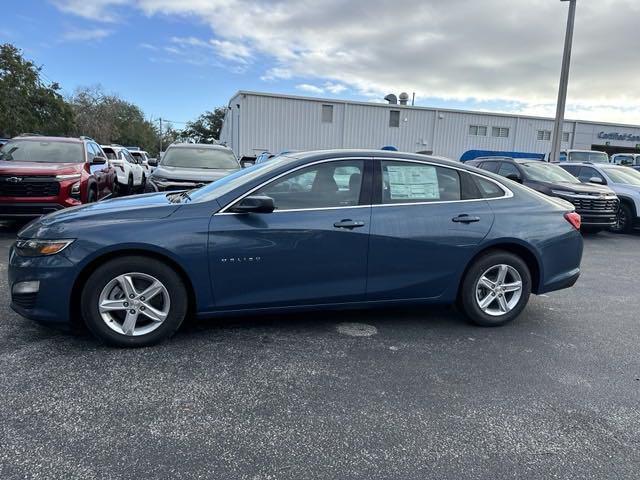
<point>624,223</point>
<point>130,185</point>
<point>134,302</point>
<point>91,196</point>
<point>495,289</point>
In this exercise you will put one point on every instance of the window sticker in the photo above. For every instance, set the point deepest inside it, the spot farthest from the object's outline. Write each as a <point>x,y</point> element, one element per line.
<point>413,182</point>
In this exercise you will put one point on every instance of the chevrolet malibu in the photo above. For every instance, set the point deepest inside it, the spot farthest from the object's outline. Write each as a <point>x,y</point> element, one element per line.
<point>314,230</point>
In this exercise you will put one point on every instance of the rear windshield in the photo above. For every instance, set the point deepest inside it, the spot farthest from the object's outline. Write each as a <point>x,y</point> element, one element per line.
<point>111,155</point>
<point>546,172</point>
<point>593,157</point>
<point>46,152</point>
<point>199,158</point>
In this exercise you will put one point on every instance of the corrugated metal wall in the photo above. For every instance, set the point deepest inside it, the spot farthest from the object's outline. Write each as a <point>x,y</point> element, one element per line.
<point>275,123</point>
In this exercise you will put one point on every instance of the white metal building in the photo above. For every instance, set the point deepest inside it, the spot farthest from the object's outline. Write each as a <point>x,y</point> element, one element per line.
<point>257,122</point>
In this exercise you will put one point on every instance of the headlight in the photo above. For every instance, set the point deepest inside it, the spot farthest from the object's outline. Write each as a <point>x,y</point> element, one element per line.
<point>39,248</point>
<point>564,193</point>
<point>72,176</point>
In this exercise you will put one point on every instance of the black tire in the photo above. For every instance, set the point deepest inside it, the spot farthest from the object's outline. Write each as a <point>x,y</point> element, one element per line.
<point>143,183</point>
<point>624,221</point>
<point>467,297</point>
<point>115,191</point>
<point>92,196</point>
<point>104,274</point>
<point>130,185</point>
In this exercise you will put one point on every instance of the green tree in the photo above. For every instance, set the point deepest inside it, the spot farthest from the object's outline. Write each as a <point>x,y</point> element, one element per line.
<point>27,104</point>
<point>206,128</point>
<point>109,119</point>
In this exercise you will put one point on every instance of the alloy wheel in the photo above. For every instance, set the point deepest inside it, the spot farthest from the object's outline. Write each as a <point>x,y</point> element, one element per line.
<point>621,221</point>
<point>498,290</point>
<point>134,304</point>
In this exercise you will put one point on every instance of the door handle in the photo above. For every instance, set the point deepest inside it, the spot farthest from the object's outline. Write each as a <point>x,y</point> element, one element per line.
<point>464,218</point>
<point>348,224</point>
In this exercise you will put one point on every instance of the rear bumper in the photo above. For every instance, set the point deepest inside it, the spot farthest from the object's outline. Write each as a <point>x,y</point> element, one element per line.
<point>566,280</point>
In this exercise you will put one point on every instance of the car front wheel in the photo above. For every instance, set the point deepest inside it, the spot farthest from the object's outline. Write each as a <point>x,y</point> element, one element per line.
<point>134,302</point>
<point>624,220</point>
<point>495,289</point>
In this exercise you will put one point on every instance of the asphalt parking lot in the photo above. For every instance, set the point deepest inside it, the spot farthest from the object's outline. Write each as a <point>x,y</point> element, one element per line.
<point>403,394</point>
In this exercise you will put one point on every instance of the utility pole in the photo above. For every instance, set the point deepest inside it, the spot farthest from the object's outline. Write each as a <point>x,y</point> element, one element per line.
<point>554,156</point>
<point>160,151</point>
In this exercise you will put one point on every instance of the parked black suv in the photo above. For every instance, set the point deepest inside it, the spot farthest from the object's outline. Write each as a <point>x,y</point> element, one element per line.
<point>597,205</point>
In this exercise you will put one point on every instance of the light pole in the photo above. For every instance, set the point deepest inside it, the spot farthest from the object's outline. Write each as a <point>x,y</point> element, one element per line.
<point>564,81</point>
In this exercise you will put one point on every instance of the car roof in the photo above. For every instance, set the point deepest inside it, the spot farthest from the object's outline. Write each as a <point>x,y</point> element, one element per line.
<point>347,153</point>
<point>45,138</point>
<point>198,146</point>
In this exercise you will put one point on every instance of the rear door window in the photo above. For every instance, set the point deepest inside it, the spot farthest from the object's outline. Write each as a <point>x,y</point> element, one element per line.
<point>491,166</point>
<point>507,168</point>
<point>408,182</point>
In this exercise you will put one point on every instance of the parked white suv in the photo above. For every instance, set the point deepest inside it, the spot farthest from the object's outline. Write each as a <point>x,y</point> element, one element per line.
<point>143,157</point>
<point>624,181</point>
<point>574,155</point>
<point>131,172</point>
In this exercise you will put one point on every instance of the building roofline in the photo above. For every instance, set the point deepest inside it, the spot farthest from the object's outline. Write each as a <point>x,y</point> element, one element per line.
<point>420,108</point>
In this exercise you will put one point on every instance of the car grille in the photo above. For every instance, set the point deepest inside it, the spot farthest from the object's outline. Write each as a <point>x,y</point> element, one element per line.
<point>25,300</point>
<point>34,186</point>
<point>599,205</point>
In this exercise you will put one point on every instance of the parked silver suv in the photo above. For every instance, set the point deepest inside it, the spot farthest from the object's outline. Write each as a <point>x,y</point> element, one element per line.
<point>624,181</point>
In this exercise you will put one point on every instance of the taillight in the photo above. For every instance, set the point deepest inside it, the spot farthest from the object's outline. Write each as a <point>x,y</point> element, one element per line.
<point>574,219</point>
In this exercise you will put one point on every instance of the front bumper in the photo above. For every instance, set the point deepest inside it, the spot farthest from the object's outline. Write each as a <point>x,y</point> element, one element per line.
<point>172,185</point>
<point>50,303</point>
<point>599,219</point>
<point>27,209</point>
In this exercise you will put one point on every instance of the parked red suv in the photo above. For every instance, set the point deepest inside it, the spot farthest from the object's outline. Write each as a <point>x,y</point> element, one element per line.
<point>39,174</point>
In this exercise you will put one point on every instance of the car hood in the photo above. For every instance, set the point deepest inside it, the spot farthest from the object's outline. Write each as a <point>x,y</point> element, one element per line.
<point>578,187</point>
<point>192,174</point>
<point>38,168</point>
<point>139,207</point>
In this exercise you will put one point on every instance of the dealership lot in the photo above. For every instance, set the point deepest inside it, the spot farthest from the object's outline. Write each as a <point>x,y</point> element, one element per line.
<point>388,394</point>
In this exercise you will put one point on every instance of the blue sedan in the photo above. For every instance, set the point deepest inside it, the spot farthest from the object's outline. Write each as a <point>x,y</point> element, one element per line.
<point>314,230</point>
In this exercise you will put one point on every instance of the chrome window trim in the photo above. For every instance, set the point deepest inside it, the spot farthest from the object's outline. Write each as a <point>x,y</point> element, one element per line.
<point>507,192</point>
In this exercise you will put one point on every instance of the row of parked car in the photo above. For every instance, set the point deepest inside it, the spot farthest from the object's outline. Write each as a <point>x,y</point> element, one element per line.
<point>606,193</point>
<point>39,174</point>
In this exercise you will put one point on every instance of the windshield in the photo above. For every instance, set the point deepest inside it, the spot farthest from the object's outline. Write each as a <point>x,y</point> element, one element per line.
<point>593,157</point>
<point>199,158</point>
<point>545,172</point>
<point>624,175</point>
<point>36,151</point>
<point>226,184</point>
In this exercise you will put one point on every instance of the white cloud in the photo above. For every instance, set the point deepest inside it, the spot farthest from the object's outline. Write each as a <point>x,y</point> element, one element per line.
<point>499,51</point>
<point>306,87</point>
<point>85,35</point>
<point>335,88</point>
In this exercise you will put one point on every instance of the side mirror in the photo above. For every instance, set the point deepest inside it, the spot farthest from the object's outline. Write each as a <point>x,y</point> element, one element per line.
<point>514,177</point>
<point>98,161</point>
<point>255,204</point>
<point>596,180</point>
<point>152,162</point>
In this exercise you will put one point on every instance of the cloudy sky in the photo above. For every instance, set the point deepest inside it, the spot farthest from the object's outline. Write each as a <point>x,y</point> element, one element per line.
<point>176,58</point>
